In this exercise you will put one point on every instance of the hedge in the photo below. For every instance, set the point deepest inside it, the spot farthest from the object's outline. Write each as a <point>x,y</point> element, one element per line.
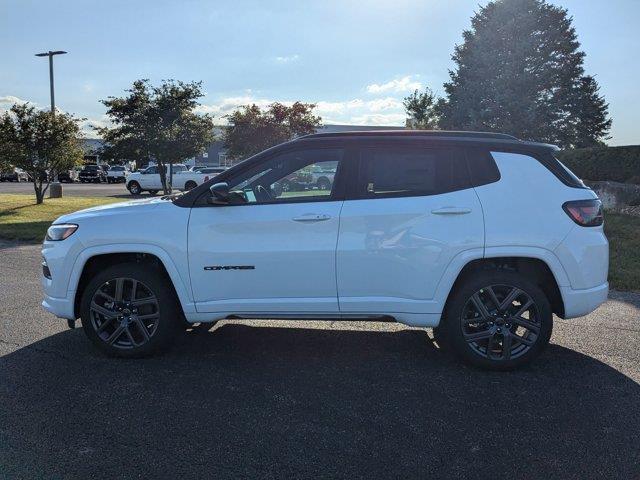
<point>618,164</point>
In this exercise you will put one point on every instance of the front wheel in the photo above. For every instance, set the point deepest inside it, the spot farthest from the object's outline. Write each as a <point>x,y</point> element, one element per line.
<point>134,188</point>
<point>190,185</point>
<point>129,310</point>
<point>497,320</point>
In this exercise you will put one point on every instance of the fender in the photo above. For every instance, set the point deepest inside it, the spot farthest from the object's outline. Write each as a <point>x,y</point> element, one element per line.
<point>184,293</point>
<point>458,263</point>
<point>547,256</point>
<point>451,273</point>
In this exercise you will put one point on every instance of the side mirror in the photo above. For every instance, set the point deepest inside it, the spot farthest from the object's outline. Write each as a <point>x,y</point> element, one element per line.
<point>219,193</point>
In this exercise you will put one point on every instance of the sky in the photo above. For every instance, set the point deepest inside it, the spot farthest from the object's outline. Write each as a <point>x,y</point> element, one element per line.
<point>356,59</point>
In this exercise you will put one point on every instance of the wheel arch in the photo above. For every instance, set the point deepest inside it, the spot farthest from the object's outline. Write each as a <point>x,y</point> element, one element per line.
<point>92,260</point>
<point>532,267</point>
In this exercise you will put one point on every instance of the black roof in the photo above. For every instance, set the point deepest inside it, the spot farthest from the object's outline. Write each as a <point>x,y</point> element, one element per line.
<point>412,133</point>
<point>469,138</point>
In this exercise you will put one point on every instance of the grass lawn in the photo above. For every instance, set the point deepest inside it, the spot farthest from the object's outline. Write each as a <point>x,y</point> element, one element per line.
<point>21,219</point>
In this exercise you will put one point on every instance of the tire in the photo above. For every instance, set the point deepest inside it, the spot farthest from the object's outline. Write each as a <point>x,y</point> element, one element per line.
<point>475,336</point>
<point>190,185</point>
<point>134,188</point>
<point>120,334</point>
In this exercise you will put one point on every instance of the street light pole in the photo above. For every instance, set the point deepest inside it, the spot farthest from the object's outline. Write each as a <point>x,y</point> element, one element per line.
<point>56,188</point>
<point>50,54</point>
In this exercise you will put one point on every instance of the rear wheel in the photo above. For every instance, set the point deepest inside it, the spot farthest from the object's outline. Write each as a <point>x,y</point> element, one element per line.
<point>190,185</point>
<point>497,320</point>
<point>129,310</point>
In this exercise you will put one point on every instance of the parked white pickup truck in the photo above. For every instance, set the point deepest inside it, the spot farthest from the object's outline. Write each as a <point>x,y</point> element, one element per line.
<point>149,179</point>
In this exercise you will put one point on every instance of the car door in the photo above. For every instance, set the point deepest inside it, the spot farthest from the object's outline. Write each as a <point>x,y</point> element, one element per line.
<point>410,212</point>
<point>146,177</point>
<point>269,250</point>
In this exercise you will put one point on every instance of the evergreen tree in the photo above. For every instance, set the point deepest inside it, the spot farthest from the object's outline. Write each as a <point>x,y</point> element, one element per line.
<point>520,71</point>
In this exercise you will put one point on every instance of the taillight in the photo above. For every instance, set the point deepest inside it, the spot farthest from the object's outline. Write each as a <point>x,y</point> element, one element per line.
<point>586,213</point>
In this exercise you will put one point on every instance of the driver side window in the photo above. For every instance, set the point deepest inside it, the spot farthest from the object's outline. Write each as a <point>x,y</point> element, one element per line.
<point>292,176</point>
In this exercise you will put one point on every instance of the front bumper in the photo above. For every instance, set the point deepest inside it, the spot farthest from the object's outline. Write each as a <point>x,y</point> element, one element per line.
<point>60,307</point>
<point>578,303</point>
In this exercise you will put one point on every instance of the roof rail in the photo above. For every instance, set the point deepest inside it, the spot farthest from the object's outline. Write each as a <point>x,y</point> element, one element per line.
<point>409,133</point>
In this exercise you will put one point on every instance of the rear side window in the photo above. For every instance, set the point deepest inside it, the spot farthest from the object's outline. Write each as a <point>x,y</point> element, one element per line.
<point>551,163</point>
<point>482,167</point>
<point>410,171</point>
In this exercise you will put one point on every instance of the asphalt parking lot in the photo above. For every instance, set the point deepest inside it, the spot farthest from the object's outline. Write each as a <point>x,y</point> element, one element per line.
<point>72,189</point>
<point>322,400</point>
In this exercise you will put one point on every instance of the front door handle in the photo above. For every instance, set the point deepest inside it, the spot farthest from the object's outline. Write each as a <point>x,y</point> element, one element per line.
<point>451,211</point>
<point>312,217</point>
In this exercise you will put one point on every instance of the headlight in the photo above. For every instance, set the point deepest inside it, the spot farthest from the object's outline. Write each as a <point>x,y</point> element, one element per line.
<point>56,233</point>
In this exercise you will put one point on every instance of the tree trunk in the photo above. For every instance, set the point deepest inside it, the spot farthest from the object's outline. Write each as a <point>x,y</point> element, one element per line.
<point>163,178</point>
<point>37,186</point>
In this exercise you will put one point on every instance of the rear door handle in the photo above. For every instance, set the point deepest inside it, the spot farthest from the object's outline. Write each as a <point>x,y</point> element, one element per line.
<point>451,211</point>
<point>312,217</point>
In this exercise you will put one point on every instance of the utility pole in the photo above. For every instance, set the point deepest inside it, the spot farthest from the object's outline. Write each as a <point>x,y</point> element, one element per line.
<point>55,188</point>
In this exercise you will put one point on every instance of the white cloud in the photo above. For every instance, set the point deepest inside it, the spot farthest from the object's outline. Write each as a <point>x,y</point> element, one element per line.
<point>388,119</point>
<point>288,58</point>
<point>379,111</point>
<point>381,104</point>
<point>7,102</point>
<point>329,108</point>
<point>227,105</point>
<point>397,85</point>
<point>88,124</point>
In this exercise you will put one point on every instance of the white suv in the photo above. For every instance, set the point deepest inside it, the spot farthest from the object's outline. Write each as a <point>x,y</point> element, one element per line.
<point>148,180</point>
<point>480,236</point>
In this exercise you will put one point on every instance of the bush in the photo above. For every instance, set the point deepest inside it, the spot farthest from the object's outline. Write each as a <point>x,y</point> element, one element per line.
<point>618,164</point>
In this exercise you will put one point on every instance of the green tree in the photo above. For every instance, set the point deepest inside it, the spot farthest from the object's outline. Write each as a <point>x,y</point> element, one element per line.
<point>40,143</point>
<point>252,130</point>
<point>422,110</point>
<point>520,71</point>
<point>157,123</point>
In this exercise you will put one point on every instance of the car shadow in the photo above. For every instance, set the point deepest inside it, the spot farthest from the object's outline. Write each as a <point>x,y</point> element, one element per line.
<point>246,401</point>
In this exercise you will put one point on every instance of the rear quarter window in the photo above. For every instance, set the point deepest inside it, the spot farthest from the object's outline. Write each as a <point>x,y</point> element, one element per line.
<point>482,167</point>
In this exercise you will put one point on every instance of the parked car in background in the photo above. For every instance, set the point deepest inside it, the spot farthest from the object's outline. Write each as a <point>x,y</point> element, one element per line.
<point>68,176</point>
<point>319,177</point>
<point>481,237</point>
<point>92,174</point>
<point>14,174</point>
<point>148,180</point>
<point>117,174</point>
<point>205,169</point>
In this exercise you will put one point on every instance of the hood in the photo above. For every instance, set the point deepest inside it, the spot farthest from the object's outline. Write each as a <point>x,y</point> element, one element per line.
<point>129,207</point>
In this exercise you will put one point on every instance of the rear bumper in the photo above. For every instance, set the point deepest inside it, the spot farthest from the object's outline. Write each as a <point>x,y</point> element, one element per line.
<point>578,303</point>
